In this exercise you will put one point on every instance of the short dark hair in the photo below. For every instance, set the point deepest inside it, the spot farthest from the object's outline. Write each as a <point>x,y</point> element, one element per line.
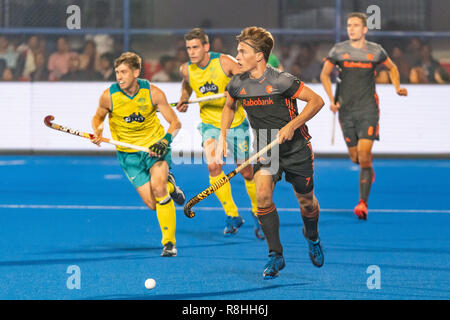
<point>165,59</point>
<point>197,33</point>
<point>108,57</point>
<point>360,15</point>
<point>261,40</point>
<point>129,58</point>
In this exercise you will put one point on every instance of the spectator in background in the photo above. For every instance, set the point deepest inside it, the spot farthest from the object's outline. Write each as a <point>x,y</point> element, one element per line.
<point>26,63</point>
<point>400,60</point>
<point>89,59</point>
<point>104,43</point>
<point>42,46</point>
<point>7,52</point>
<point>181,57</point>
<point>8,75</point>
<point>169,71</point>
<point>412,52</point>
<point>40,72</point>
<point>218,46</point>
<point>287,55</point>
<point>58,63</point>
<point>2,66</point>
<point>296,70</point>
<point>426,69</point>
<point>75,73</point>
<point>274,62</point>
<point>310,67</point>
<point>382,74</point>
<point>180,44</point>
<point>106,67</point>
<point>442,75</point>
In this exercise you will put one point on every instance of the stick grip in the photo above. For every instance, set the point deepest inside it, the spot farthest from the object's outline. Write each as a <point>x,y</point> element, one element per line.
<point>213,188</point>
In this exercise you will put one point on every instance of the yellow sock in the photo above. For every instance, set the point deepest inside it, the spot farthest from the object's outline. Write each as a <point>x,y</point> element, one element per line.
<point>167,219</point>
<point>251,190</point>
<point>225,197</point>
<point>170,187</point>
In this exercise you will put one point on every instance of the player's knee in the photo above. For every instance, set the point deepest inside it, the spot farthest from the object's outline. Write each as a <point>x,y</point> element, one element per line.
<point>306,203</point>
<point>308,206</point>
<point>214,169</point>
<point>263,198</point>
<point>149,203</point>
<point>247,173</point>
<point>159,188</point>
<point>365,158</point>
<point>353,154</point>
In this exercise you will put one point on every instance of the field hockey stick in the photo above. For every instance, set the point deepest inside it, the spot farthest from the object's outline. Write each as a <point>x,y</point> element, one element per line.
<point>333,128</point>
<point>48,122</point>
<point>202,99</point>
<point>219,183</point>
<point>336,100</point>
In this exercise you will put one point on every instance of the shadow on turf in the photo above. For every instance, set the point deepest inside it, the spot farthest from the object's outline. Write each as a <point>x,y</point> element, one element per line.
<point>64,261</point>
<point>392,250</point>
<point>185,296</point>
<point>102,250</point>
<point>120,248</point>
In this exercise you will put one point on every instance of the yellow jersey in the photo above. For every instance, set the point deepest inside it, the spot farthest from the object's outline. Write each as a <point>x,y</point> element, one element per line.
<point>133,118</point>
<point>208,81</point>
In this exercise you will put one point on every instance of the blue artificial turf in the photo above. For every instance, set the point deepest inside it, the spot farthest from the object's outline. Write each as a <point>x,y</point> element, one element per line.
<point>61,211</point>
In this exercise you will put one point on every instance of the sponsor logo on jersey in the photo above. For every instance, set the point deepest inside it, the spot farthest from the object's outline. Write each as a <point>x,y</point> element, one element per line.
<point>209,87</point>
<point>358,64</point>
<point>134,117</point>
<point>256,102</point>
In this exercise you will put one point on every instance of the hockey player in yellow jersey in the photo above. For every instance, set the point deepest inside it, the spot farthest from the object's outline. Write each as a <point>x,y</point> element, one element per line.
<point>131,105</point>
<point>208,73</point>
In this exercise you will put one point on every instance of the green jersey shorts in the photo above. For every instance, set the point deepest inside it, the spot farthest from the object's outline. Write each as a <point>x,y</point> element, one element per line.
<point>136,165</point>
<point>238,138</point>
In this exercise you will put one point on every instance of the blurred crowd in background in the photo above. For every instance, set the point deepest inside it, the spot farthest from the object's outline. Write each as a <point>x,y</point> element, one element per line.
<point>41,58</point>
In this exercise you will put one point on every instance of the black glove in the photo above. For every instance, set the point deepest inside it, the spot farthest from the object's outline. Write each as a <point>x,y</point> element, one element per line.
<point>160,147</point>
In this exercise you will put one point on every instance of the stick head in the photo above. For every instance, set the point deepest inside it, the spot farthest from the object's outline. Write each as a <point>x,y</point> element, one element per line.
<point>48,120</point>
<point>188,212</point>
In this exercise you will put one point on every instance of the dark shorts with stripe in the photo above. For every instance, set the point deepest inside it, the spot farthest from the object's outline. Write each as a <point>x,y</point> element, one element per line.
<point>359,125</point>
<point>295,160</point>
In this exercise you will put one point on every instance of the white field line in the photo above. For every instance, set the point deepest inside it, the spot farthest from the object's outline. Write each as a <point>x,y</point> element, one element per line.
<point>100,207</point>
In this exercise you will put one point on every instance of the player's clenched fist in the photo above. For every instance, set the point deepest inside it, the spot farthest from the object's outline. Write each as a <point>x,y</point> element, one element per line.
<point>402,92</point>
<point>335,107</point>
<point>221,149</point>
<point>285,133</point>
<point>182,106</point>
<point>160,148</point>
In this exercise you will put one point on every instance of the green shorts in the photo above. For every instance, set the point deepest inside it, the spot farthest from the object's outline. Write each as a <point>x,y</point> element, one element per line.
<point>238,138</point>
<point>136,165</point>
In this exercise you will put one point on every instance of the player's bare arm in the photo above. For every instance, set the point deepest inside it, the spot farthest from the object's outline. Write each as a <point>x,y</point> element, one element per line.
<point>395,77</point>
<point>313,105</point>
<point>225,123</point>
<point>229,64</point>
<point>104,107</point>
<point>326,82</point>
<point>160,100</point>
<point>186,89</point>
